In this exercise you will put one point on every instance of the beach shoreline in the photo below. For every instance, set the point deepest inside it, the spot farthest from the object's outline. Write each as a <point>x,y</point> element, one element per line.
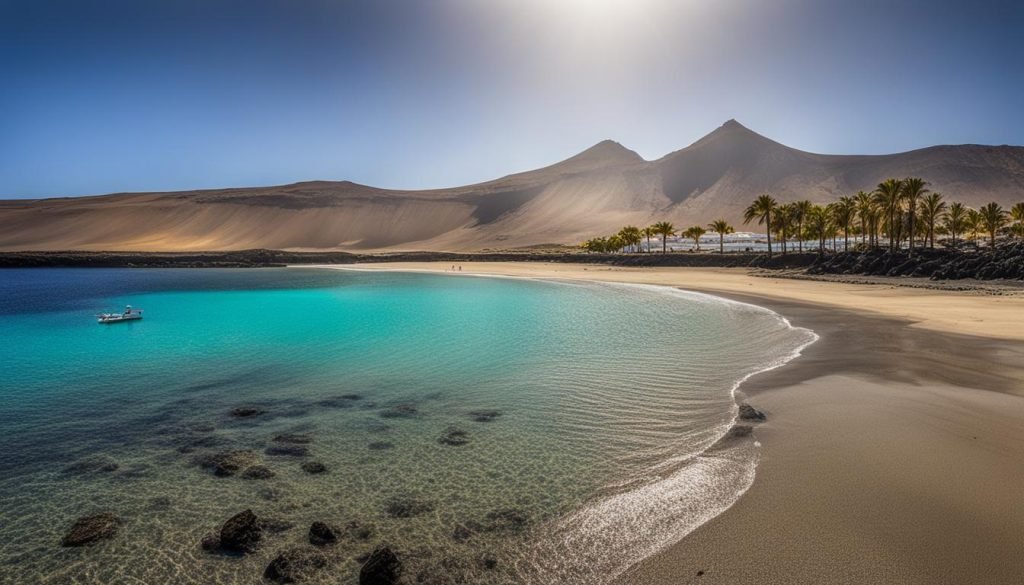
<point>893,447</point>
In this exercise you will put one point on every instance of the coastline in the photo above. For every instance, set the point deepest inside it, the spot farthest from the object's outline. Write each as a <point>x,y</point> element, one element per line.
<point>893,446</point>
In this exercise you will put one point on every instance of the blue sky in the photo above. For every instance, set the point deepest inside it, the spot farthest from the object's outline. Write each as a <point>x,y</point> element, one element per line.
<point>113,95</point>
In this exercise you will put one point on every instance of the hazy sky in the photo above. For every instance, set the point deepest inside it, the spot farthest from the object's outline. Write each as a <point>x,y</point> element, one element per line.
<point>99,96</point>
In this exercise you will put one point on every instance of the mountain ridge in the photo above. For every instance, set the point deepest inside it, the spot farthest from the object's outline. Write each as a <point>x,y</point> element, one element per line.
<point>593,192</point>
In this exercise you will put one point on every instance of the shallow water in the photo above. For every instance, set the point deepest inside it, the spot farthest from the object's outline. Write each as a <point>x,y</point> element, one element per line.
<point>607,397</point>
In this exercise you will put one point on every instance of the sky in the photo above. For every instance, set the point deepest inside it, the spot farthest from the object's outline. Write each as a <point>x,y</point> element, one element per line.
<point>100,96</point>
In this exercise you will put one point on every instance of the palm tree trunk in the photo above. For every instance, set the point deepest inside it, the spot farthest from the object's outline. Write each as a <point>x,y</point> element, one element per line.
<point>800,234</point>
<point>912,233</point>
<point>768,222</point>
<point>664,243</point>
<point>846,238</point>
<point>721,243</point>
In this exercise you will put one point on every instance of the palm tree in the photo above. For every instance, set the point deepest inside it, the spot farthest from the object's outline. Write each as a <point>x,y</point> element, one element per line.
<point>1017,214</point>
<point>723,228</point>
<point>648,232</point>
<point>974,223</point>
<point>955,219</point>
<point>843,212</point>
<point>666,230</point>
<point>615,243</point>
<point>817,224</point>
<point>993,219</point>
<point>865,209</point>
<point>761,210</point>
<point>889,193</point>
<point>631,236</point>
<point>785,217</point>
<point>800,211</point>
<point>914,188</point>
<point>931,209</point>
<point>695,232</point>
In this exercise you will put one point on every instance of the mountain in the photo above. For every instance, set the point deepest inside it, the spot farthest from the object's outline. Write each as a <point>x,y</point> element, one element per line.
<point>595,192</point>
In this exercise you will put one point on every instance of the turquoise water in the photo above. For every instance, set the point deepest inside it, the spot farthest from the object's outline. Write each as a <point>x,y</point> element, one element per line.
<point>601,401</point>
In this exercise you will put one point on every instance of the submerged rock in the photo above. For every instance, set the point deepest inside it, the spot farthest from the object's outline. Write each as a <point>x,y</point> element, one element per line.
<point>293,438</point>
<point>241,533</point>
<point>508,520</point>
<point>275,526</point>
<point>313,467</point>
<point>228,463</point>
<point>258,472</point>
<point>89,529</point>
<point>400,411</point>
<point>748,412</point>
<point>358,530</point>
<point>383,567</point>
<point>287,450</point>
<point>454,437</point>
<point>247,411</point>
<point>296,564</point>
<point>407,507</point>
<point>321,534</point>
<point>484,415</point>
<point>92,464</point>
<point>380,446</point>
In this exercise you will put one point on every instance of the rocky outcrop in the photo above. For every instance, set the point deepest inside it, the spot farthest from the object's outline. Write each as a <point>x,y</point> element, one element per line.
<point>320,534</point>
<point>241,533</point>
<point>90,529</point>
<point>1004,262</point>
<point>383,567</point>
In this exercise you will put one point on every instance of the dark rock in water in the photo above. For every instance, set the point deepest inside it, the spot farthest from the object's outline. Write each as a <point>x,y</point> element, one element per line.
<point>287,450</point>
<point>210,543</point>
<point>739,431</point>
<point>241,533</point>
<point>321,534</point>
<point>383,567</point>
<point>202,428</point>
<point>297,564</point>
<point>314,467</point>
<point>487,562</point>
<point>228,463</point>
<point>748,412</point>
<point>509,520</point>
<point>270,494</point>
<point>258,472</point>
<point>89,529</point>
<point>380,446</point>
<point>400,411</point>
<point>275,526</point>
<point>454,437</point>
<point>92,464</point>
<point>247,411</point>
<point>407,507</point>
<point>340,401</point>
<point>293,438</point>
<point>484,415</point>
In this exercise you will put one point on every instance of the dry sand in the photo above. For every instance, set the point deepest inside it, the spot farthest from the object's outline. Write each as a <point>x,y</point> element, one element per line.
<point>894,448</point>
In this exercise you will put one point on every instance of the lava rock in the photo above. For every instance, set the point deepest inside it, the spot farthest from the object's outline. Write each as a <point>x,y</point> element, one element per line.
<point>380,446</point>
<point>484,415</point>
<point>296,564</point>
<point>407,507</point>
<point>321,534</point>
<point>383,567</point>
<point>241,533</point>
<point>258,472</point>
<point>314,467</point>
<point>748,412</point>
<point>90,529</point>
<point>247,411</point>
<point>454,437</point>
<point>228,463</point>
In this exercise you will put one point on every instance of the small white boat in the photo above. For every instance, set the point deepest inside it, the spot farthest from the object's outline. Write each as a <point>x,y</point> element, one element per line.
<point>129,314</point>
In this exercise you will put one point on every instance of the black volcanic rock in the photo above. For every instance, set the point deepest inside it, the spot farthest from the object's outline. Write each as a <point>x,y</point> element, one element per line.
<point>320,534</point>
<point>247,411</point>
<point>313,467</point>
<point>383,567</point>
<point>296,564</point>
<point>241,533</point>
<point>90,529</point>
<point>229,462</point>
<point>748,412</point>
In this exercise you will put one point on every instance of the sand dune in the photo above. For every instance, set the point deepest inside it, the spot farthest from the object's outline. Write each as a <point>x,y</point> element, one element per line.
<point>594,192</point>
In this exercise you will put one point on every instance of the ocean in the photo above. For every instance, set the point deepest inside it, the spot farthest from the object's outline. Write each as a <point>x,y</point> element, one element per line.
<point>487,429</point>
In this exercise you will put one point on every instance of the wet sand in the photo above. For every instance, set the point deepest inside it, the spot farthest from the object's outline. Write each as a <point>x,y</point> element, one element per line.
<point>894,447</point>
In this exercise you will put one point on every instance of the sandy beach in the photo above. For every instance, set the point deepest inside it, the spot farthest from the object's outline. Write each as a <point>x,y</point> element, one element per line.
<point>894,447</point>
